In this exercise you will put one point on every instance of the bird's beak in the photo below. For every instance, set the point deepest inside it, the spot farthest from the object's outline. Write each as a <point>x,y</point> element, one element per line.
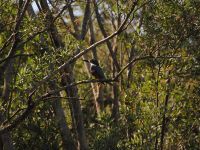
<point>86,60</point>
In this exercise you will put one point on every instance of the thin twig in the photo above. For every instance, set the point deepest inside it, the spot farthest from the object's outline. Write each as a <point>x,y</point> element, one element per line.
<point>31,105</point>
<point>17,55</point>
<point>73,59</point>
<point>54,97</point>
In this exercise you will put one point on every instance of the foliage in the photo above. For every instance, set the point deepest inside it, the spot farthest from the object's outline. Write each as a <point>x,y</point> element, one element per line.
<point>165,33</point>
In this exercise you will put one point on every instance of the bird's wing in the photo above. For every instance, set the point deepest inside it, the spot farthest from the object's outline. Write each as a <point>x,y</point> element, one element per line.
<point>97,72</point>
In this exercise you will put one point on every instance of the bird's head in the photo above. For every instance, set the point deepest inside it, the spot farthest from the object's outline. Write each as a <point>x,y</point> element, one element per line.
<point>92,61</point>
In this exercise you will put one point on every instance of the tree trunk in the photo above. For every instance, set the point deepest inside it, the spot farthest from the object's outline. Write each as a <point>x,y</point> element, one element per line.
<point>66,137</point>
<point>129,70</point>
<point>68,142</point>
<point>8,76</point>
<point>7,70</point>
<point>164,122</point>
<point>112,49</point>
<point>98,94</point>
<point>72,92</point>
<point>103,31</point>
<point>115,91</point>
<point>5,139</point>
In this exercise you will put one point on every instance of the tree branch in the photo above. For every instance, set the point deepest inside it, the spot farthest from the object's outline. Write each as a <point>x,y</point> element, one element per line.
<point>103,31</point>
<point>85,20</point>
<point>6,128</point>
<point>18,55</point>
<point>32,104</point>
<point>73,19</point>
<point>164,118</point>
<point>17,26</point>
<point>73,59</point>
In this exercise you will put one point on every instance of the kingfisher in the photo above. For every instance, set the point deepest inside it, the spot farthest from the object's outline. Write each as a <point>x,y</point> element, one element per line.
<point>95,69</point>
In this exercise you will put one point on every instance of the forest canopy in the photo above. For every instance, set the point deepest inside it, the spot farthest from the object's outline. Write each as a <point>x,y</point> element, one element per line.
<point>99,74</point>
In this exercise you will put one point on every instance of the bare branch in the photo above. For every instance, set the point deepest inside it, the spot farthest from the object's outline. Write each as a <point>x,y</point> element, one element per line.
<point>59,14</point>
<point>141,58</point>
<point>7,42</point>
<point>17,26</point>
<point>32,104</point>
<point>56,97</point>
<point>85,19</point>
<point>73,19</point>
<point>18,55</point>
<point>18,19</point>
<point>73,59</point>
<point>103,31</point>
<point>31,37</point>
<point>15,32</point>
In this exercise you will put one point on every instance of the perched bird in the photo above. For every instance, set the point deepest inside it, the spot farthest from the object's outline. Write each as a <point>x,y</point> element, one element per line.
<point>95,69</point>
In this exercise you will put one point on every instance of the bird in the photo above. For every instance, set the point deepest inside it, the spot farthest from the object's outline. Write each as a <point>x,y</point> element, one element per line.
<point>95,69</point>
